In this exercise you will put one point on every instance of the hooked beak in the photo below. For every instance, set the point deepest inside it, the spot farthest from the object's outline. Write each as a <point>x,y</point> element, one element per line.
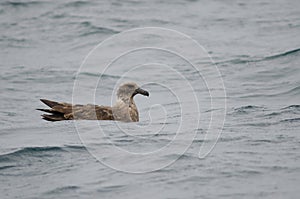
<point>140,91</point>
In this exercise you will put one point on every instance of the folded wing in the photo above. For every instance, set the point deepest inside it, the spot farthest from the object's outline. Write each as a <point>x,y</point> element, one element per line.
<point>65,111</point>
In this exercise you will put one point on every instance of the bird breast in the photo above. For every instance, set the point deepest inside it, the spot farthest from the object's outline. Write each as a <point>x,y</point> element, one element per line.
<point>126,112</point>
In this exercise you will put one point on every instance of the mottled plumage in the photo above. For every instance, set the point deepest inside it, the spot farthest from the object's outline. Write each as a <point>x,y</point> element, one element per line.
<point>123,110</point>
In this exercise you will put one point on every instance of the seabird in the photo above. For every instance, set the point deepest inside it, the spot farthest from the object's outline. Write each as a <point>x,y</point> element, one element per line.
<point>124,109</point>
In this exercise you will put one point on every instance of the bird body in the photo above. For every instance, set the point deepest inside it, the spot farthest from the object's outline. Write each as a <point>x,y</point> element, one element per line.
<point>124,109</point>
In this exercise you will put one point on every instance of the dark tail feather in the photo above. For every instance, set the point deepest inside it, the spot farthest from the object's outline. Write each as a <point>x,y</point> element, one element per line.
<point>54,117</point>
<point>50,103</point>
<point>46,110</point>
<point>56,114</point>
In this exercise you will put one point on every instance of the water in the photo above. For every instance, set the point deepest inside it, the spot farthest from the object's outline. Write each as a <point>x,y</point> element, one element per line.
<point>256,48</point>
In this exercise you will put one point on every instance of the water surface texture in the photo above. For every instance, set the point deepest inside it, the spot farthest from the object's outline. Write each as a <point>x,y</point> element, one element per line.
<point>255,45</point>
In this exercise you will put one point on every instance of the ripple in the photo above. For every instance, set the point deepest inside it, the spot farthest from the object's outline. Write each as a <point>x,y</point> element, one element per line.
<point>284,54</point>
<point>248,108</point>
<point>37,151</point>
<point>21,3</point>
<point>77,4</point>
<point>290,120</point>
<point>63,189</point>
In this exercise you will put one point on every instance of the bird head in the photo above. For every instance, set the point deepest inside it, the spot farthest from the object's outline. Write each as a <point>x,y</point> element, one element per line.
<point>129,90</point>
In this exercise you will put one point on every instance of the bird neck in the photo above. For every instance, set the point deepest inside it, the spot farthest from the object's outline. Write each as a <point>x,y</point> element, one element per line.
<point>127,100</point>
<point>126,110</point>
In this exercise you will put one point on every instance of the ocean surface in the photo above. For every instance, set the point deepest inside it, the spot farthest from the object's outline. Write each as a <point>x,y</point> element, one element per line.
<point>173,152</point>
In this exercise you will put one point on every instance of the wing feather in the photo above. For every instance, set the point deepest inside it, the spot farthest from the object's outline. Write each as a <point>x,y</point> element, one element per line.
<point>65,111</point>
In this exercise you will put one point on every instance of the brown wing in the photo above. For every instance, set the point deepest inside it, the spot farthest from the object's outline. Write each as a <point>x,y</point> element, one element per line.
<point>65,111</point>
<point>91,112</point>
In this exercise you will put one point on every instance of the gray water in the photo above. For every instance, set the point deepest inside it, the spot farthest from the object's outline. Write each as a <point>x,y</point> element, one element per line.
<point>254,44</point>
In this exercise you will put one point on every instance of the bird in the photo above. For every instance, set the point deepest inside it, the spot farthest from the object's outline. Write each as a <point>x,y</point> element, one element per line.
<point>124,109</point>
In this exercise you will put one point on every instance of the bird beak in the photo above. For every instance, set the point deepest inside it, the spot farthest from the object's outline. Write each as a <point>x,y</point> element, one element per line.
<point>141,91</point>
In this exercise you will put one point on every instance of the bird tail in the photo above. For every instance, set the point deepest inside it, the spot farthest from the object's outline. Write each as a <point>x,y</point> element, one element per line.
<point>50,103</point>
<point>57,111</point>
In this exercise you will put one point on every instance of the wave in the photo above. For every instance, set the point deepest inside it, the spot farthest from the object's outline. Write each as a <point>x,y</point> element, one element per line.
<point>287,53</point>
<point>92,29</point>
<point>294,106</point>
<point>291,92</point>
<point>288,114</point>
<point>105,76</point>
<point>36,151</point>
<point>290,120</point>
<point>21,3</point>
<point>180,156</point>
<point>63,189</point>
<point>7,167</point>
<point>248,108</point>
<point>247,59</point>
<point>77,4</point>
<point>31,150</point>
<point>268,117</point>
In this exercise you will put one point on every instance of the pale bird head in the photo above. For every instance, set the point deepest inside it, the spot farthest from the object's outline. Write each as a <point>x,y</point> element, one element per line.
<point>129,90</point>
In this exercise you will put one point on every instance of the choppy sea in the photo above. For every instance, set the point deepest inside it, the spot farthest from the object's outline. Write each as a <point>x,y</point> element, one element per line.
<point>255,46</point>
